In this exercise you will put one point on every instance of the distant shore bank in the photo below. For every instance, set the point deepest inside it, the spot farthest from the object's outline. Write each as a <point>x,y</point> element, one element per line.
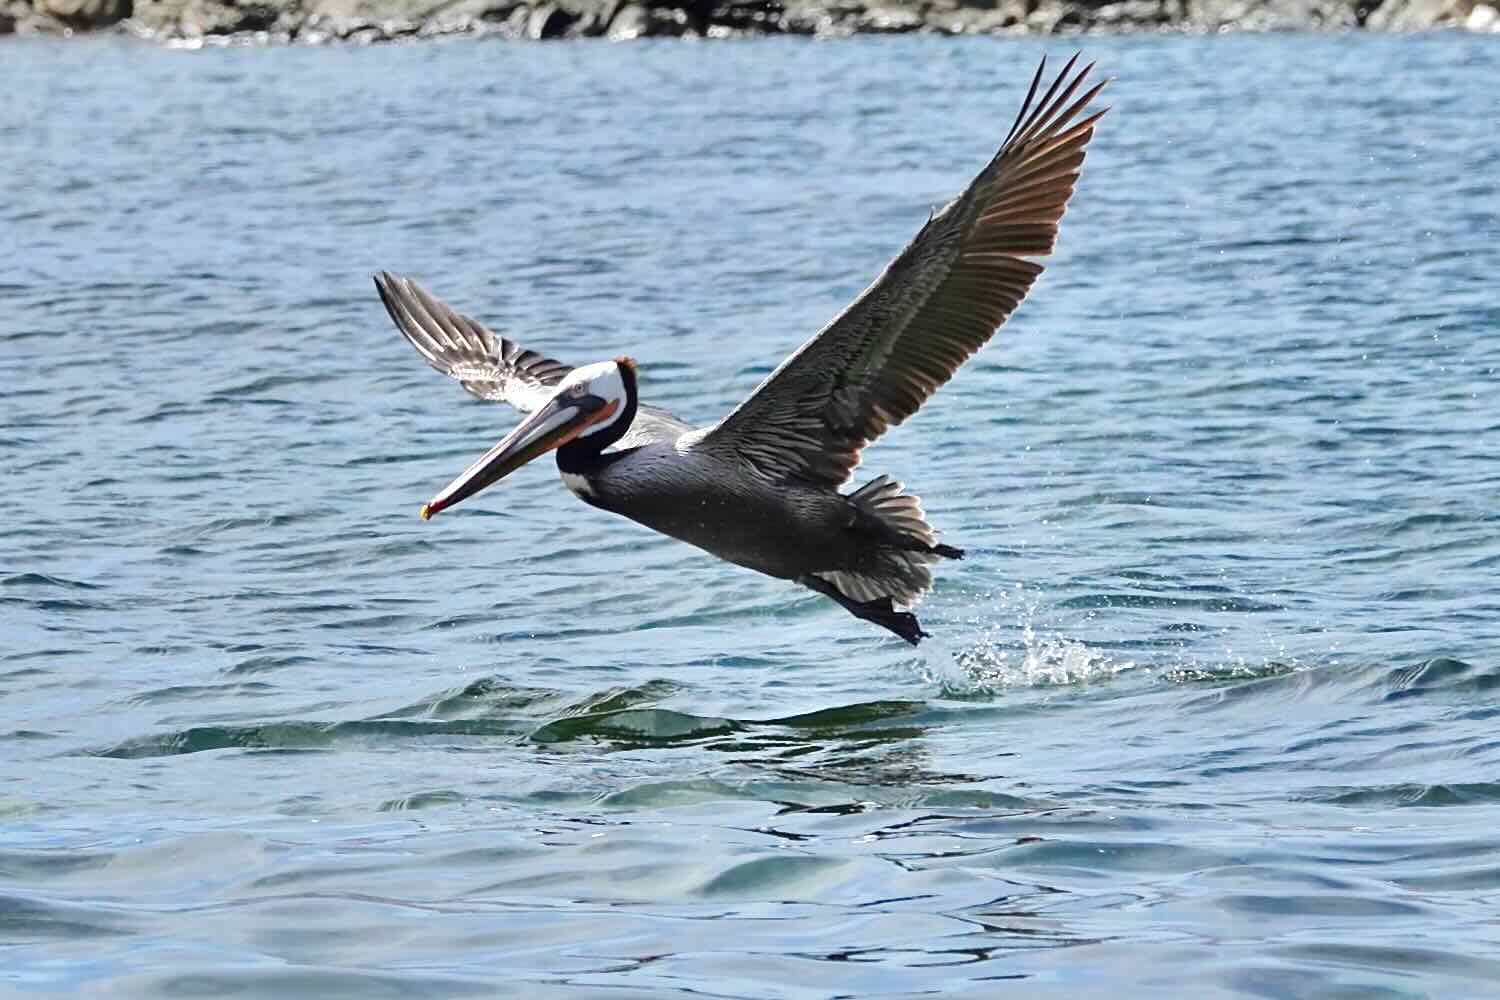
<point>225,22</point>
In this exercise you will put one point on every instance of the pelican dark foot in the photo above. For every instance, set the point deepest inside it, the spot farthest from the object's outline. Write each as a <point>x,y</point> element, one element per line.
<point>879,611</point>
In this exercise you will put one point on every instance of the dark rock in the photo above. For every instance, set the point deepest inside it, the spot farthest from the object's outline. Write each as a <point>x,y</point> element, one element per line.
<point>671,22</point>
<point>548,21</point>
<point>86,13</point>
<point>257,17</point>
<point>7,23</point>
<point>746,17</point>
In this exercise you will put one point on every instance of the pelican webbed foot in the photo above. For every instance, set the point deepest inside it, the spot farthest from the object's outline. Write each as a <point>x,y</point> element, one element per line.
<point>880,611</point>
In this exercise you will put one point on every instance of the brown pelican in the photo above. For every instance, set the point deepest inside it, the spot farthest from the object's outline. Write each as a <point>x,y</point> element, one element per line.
<point>760,487</point>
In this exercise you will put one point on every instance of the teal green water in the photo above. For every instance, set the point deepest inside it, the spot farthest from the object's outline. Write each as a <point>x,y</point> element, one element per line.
<point>1210,708</point>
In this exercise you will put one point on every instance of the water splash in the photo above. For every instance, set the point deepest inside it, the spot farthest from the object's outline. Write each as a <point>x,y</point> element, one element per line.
<point>1042,660</point>
<point>1004,658</point>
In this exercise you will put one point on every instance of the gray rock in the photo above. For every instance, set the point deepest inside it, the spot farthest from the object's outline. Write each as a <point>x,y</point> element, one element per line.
<point>1483,18</point>
<point>1417,15</point>
<point>477,10</point>
<point>1134,14</point>
<point>1272,15</point>
<point>475,17</point>
<point>186,18</point>
<point>630,21</point>
<point>86,13</point>
<point>308,22</point>
<point>1047,17</point>
<point>639,20</point>
<point>888,20</point>
<point>370,11</point>
<point>364,21</point>
<point>29,21</point>
<point>1004,16</point>
<point>515,24</point>
<point>591,19</point>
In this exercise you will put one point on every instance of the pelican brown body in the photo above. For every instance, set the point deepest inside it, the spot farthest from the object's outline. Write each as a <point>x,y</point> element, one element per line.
<point>760,487</point>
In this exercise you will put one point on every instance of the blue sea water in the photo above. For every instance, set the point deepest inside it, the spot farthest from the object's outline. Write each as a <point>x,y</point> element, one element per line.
<point>1210,709</point>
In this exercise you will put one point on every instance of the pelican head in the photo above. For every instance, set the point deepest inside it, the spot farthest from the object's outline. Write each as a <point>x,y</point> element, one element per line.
<point>591,408</point>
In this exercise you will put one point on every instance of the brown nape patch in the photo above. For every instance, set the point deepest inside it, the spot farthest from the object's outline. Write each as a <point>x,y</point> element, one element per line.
<point>625,362</point>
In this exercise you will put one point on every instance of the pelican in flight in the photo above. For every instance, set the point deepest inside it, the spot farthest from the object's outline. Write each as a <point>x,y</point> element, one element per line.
<point>760,488</point>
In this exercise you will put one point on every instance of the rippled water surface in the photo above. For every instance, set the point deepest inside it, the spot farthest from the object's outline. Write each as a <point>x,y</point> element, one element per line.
<point>1210,709</point>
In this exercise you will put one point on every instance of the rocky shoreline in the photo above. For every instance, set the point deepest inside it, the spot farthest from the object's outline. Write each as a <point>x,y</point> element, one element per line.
<point>223,22</point>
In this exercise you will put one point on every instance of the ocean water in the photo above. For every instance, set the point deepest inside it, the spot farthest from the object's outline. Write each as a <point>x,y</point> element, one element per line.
<point>1212,708</point>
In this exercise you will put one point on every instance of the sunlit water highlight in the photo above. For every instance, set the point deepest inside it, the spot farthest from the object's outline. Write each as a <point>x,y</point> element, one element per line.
<point>1209,709</point>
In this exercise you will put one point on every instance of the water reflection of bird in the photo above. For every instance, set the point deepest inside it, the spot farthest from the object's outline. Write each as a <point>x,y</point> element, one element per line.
<point>760,487</point>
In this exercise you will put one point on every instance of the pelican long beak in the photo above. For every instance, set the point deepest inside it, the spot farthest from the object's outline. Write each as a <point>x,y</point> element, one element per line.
<point>561,420</point>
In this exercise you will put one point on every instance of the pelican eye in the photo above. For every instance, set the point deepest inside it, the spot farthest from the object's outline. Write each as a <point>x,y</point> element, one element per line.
<point>577,390</point>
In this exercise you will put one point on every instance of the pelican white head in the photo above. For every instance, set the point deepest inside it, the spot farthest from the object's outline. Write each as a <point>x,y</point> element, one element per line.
<point>593,404</point>
<point>603,380</point>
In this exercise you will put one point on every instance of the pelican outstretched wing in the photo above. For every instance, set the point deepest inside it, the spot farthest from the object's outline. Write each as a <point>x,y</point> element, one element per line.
<point>482,361</point>
<point>490,366</point>
<point>936,304</point>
